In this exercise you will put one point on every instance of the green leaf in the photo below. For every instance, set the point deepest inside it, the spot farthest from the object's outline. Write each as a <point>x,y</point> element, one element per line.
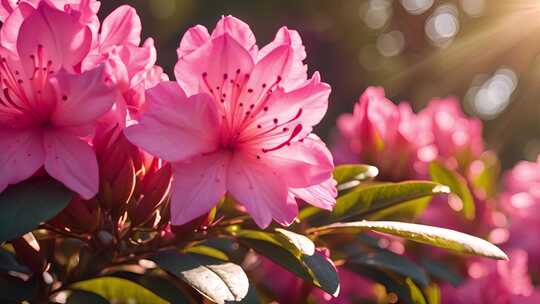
<point>406,211</point>
<point>311,268</point>
<point>118,290</point>
<point>85,297</point>
<point>209,251</point>
<point>435,236</point>
<point>433,294</point>
<point>217,280</point>
<point>349,176</point>
<point>458,185</point>
<point>159,285</point>
<point>416,293</point>
<point>392,262</point>
<point>8,262</point>
<point>376,197</point>
<point>442,272</point>
<point>26,205</point>
<point>277,239</point>
<point>304,244</point>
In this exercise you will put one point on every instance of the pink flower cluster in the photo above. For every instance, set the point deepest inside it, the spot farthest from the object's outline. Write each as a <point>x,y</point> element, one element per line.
<point>401,143</point>
<point>238,120</point>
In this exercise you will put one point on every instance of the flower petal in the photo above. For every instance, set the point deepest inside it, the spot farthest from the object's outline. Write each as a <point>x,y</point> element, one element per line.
<point>197,186</point>
<point>71,161</point>
<point>22,155</point>
<point>322,195</point>
<point>292,38</point>
<point>176,127</point>
<point>62,40</point>
<point>122,26</point>
<point>82,98</point>
<point>193,39</point>
<point>260,190</point>
<point>238,30</point>
<point>217,60</point>
<point>310,160</point>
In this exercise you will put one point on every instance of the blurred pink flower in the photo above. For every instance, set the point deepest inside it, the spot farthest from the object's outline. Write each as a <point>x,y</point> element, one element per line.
<point>457,138</point>
<point>521,201</point>
<point>48,109</point>
<point>385,135</point>
<point>242,127</point>
<point>495,282</point>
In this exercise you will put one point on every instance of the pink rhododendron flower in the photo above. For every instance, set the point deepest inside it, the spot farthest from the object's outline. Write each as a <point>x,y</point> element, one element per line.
<point>385,135</point>
<point>521,201</point>
<point>47,109</point>
<point>457,138</point>
<point>495,282</point>
<point>238,121</point>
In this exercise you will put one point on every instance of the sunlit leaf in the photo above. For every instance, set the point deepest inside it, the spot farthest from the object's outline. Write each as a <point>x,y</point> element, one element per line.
<point>349,176</point>
<point>162,287</point>
<point>376,197</point>
<point>439,173</point>
<point>303,243</point>
<point>217,280</point>
<point>118,290</point>
<point>435,236</point>
<point>311,268</point>
<point>85,297</point>
<point>26,205</point>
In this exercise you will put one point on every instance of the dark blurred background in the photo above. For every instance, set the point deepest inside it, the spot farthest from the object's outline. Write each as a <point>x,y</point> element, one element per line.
<point>485,52</point>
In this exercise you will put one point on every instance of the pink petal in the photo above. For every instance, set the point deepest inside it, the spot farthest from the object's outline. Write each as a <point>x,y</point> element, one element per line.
<point>193,39</point>
<point>290,38</point>
<point>322,195</point>
<point>82,98</point>
<point>306,105</point>
<point>238,30</point>
<point>71,161</point>
<point>22,155</point>
<point>219,59</point>
<point>261,190</point>
<point>176,127</point>
<point>197,186</point>
<point>12,25</point>
<point>122,26</point>
<point>63,40</point>
<point>270,71</point>
<point>301,164</point>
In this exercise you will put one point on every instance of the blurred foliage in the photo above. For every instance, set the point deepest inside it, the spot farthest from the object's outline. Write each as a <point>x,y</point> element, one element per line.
<point>481,51</point>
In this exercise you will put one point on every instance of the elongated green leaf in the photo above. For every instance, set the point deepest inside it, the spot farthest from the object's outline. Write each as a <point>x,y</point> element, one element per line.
<point>311,268</point>
<point>162,287</point>
<point>376,197</point>
<point>439,173</point>
<point>291,242</point>
<point>304,244</point>
<point>24,206</point>
<point>442,272</point>
<point>349,176</point>
<point>217,280</point>
<point>118,290</point>
<point>406,211</point>
<point>439,237</point>
<point>393,262</point>
<point>85,297</point>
